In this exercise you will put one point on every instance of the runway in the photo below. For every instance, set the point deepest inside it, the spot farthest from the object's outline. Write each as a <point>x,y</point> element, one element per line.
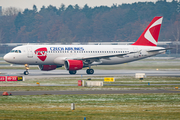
<point>89,92</point>
<point>80,73</point>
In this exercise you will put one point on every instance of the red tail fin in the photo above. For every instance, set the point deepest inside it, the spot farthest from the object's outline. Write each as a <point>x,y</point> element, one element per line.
<point>150,35</point>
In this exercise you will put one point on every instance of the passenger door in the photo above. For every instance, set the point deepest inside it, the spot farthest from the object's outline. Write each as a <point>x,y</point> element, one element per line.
<point>29,52</point>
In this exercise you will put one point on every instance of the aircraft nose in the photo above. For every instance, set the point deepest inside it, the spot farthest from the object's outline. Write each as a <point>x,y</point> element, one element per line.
<point>6,57</point>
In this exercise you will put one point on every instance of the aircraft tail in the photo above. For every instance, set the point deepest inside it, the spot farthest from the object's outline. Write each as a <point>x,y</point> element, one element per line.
<point>150,35</point>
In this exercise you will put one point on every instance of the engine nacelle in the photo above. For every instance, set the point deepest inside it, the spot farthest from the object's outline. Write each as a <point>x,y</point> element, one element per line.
<point>73,64</point>
<point>47,67</point>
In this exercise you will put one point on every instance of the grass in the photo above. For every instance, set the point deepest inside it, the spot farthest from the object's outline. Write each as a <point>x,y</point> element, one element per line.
<point>71,84</point>
<point>93,107</point>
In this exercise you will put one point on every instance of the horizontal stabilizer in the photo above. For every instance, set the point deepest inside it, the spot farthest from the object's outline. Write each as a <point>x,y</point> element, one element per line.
<point>159,50</point>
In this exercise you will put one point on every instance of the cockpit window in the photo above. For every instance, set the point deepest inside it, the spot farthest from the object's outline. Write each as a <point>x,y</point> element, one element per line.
<point>15,51</point>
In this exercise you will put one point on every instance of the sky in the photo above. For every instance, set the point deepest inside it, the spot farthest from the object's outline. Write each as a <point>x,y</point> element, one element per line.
<point>22,4</point>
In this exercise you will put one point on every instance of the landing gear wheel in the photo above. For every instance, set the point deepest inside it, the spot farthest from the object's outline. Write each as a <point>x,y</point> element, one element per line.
<point>89,71</point>
<point>72,72</point>
<point>27,68</point>
<point>26,72</point>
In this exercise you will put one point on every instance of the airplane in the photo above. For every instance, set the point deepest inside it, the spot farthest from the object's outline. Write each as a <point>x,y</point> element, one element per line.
<point>76,57</point>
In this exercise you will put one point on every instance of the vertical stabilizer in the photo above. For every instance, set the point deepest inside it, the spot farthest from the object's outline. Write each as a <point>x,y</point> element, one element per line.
<point>150,35</point>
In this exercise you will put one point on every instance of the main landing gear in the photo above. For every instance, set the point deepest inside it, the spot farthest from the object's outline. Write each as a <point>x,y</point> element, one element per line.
<point>89,71</point>
<point>72,72</point>
<point>27,68</point>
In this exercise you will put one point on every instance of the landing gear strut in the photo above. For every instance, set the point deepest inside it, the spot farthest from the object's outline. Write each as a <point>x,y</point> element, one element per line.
<point>72,72</point>
<point>27,68</point>
<point>89,71</point>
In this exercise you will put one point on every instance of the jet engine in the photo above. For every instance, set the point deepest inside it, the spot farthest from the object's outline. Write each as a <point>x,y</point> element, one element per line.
<point>73,64</point>
<point>47,67</point>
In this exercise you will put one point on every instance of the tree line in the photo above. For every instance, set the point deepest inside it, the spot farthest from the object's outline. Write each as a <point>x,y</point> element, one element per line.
<point>118,23</point>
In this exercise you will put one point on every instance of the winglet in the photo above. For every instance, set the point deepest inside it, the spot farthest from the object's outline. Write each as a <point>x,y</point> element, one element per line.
<point>150,35</point>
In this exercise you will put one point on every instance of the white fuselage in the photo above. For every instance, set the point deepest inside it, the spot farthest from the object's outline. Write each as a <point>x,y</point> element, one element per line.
<point>76,57</point>
<point>57,54</point>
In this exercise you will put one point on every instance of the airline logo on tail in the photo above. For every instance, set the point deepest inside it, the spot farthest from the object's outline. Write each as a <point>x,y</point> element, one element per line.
<point>150,35</point>
<point>41,53</point>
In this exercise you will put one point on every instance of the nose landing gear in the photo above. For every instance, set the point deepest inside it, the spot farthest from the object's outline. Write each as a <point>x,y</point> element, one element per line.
<point>27,68</point>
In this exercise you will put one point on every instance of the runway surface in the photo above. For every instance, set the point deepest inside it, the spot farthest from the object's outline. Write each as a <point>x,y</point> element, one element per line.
<point>88,92</point>
<point>80,73</point>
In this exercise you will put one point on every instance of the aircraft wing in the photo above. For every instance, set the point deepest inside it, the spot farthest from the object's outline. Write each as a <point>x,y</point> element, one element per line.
<point>159,50</point>
<point>104,56</point>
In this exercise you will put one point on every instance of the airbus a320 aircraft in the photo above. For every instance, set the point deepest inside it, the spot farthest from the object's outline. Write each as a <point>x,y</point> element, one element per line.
<point>76,57</point>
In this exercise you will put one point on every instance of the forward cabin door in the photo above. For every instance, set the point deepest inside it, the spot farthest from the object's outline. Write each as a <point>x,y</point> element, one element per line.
<point>29,52</point>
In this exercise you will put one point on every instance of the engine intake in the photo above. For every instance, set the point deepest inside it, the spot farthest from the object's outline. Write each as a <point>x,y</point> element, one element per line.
<point>73,64</point>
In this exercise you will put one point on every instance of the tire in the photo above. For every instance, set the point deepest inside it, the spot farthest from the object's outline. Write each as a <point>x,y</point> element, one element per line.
<point>90,71</point>
<point>72,72</point>
<point>26,73</point>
